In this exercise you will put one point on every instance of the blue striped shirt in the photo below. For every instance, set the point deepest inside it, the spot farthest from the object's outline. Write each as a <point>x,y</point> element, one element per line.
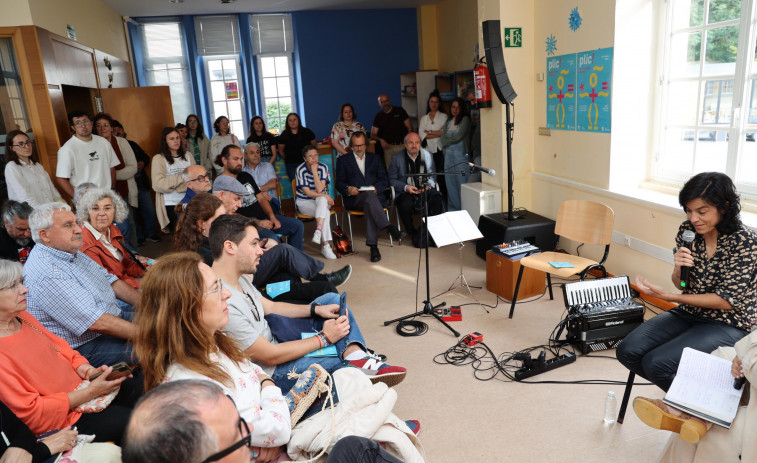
<point>305,179</point>
<point>68,293</point>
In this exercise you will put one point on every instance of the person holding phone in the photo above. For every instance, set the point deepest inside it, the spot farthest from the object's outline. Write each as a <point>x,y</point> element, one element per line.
<point>43,377</point>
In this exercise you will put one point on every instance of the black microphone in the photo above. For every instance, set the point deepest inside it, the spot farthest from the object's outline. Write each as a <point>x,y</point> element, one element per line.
<point>482,169</point>
<point>688,240</point>
<point>738,382</point>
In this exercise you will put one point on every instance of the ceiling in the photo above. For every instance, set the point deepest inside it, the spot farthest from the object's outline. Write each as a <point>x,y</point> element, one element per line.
<point>139,8</point>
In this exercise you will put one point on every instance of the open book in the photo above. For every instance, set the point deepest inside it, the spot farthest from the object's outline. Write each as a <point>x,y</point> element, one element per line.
<point>453,227</point>
<point>703,387</point>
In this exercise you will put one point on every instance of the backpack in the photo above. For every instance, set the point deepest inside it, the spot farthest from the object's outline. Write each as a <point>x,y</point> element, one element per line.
<point>342,244</point>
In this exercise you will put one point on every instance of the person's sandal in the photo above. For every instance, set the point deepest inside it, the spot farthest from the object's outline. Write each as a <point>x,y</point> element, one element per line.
<point>654,413</point>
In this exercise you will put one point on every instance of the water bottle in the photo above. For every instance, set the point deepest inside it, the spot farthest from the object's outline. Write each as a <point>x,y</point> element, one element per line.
<point>610,405</point>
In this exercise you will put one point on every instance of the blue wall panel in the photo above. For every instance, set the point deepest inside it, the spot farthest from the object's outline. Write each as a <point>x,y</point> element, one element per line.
<point>352,56</point>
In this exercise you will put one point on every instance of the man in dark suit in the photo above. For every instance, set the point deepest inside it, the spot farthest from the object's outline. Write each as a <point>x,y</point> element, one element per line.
<point>362,181</point>
<point>413,160</point>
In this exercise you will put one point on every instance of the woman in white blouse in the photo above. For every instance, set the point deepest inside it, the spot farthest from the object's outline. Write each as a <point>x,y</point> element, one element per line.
<point>27,180</point>
<point>222,138</point>
<point>430,129</point>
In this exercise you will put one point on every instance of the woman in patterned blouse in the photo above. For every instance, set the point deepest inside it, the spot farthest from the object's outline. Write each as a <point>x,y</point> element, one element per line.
<point>716,306</point>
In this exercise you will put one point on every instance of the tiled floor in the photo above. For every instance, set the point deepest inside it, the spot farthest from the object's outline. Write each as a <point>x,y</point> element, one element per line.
<point>464,419</point>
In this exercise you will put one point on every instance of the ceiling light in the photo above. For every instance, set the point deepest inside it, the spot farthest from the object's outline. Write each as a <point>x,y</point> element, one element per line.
<point>175,1</point>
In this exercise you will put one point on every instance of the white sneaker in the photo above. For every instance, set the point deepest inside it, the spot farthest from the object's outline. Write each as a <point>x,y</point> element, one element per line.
<point>327,252</point>
<point>317,237</point>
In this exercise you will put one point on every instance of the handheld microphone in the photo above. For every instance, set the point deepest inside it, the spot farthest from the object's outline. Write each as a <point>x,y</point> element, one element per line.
<point>738,382</point>
<point>482,169</point>
<point>688,240</point>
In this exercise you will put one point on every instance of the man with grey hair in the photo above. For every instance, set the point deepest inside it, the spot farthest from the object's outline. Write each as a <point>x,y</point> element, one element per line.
<point>188,421</point>
<point>263,173</point>
<point>71,295</point>
<point>15,236</point>
<point>197,180</point>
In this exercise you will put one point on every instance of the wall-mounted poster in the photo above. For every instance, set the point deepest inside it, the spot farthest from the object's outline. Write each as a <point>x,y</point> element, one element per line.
<point>593,78</point>
<point>232,91</point>
<point>561,95</point>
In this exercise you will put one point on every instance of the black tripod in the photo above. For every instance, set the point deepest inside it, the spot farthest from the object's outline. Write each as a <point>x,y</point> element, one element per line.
<point>428,308</point>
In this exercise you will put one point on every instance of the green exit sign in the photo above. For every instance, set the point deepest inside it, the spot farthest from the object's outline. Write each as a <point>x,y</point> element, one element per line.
<point>513,37</point>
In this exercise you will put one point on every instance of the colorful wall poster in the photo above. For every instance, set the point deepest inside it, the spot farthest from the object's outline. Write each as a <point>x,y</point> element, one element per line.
<point>232,91</point>
<point>561,97</point>
<point>593,78</point>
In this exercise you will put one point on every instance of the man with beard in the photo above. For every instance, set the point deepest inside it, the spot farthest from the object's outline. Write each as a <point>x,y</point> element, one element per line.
<point>73,296</point>
<point>15,237</point>
<point>255,203</point>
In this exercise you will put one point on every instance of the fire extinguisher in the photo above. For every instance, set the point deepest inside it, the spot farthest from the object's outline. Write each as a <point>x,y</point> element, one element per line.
<point>483,85</point>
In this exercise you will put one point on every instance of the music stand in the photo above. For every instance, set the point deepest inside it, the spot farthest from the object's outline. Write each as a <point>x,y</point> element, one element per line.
<point>455,227</point>
<point>428,308</point>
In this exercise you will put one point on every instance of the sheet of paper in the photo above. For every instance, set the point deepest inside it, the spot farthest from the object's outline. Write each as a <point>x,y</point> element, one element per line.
<point>366,188</point>
<point>561,264</point>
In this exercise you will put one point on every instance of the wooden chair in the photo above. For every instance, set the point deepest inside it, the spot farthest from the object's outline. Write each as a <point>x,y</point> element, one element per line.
<point>302,216</point>
<point>582,221</point>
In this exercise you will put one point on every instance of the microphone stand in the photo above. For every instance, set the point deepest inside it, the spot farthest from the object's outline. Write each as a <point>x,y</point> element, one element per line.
<point>428,308</point>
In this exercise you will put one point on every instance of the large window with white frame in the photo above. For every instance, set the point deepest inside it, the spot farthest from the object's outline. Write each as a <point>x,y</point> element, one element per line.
<point>273,45</point>
<point>166,63</point>
<point>709,106</point>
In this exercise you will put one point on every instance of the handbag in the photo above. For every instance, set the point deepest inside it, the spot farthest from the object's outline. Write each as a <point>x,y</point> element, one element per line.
<point>342,244</point>
<point>97,404</point>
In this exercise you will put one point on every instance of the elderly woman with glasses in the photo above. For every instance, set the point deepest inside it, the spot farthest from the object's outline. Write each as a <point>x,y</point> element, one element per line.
<point>313,197</point>
<point>180,316</point>
<point>42,379</point>
<point>97,210</point>
<point>26,178</point>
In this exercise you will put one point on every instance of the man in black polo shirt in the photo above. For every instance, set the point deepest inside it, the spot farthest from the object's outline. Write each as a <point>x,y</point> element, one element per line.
<point>390,126</point>
<point>15,236</point>
<point>255,204</point>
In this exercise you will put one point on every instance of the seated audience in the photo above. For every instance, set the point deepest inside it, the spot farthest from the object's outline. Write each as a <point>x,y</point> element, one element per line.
<point>26,178</point>
<point>167,182</point>
<point>71,295</point>
<point>21,445</point>
<point>413,160</point>
<point>221,139</point>
<point>236,250</point>
<point>264,139</point>
<point>180,319</point>
<point>365,170</point>
<point>313,197</point>
<point>255,204</point>
<point>187,421</point>
<point>15,237</point>
<point>280,262</point>
<point>231,192</point>
<point>97,210</point>
<point>197,180</point>
<point>42,380</point>
<point>344,128</point>
<point>263,173</point>
<point>293,138</point>
<point>717,305</point>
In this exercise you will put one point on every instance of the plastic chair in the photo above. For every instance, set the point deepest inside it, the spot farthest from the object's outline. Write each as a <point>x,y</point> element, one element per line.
<point>586,222</point>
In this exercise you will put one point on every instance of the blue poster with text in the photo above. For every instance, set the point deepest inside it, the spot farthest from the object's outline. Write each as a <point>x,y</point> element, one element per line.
<point>561,94</point>
<point>594,80</point>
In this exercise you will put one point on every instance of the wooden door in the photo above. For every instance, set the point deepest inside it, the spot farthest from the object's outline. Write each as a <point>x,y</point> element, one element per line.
<point>143,111</point>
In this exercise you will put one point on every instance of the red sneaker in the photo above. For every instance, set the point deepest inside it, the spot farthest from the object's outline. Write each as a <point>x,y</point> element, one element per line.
<point>414,425</point>
<point>379,371</point>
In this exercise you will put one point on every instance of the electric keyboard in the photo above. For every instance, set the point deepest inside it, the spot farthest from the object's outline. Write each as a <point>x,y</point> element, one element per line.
<point>516,247</point>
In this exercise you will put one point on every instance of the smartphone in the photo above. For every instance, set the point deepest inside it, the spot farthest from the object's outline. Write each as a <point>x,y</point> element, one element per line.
<point>119,370</point>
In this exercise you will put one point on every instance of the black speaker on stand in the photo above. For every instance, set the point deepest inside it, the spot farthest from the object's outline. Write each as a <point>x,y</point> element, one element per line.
<point>496,227</point>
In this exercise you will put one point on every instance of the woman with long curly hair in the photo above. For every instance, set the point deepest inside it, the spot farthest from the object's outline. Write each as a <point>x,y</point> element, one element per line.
<point>180,316</point>
<point>167,181</point>
<point>194,224</point>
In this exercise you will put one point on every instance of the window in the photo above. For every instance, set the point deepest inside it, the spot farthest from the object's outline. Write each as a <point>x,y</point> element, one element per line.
<point>218,42</point>
<point>273,43</point>
<point>166,63</point>
<point>13,114</point>
<point>709,76</point>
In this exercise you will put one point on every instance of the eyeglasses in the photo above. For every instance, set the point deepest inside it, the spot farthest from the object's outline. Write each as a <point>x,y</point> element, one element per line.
<point>24,144</point>
<point>311,156</point>
<point>246,440</point>
<point>200,178</point>
<point>359,146</point>
<point>103,125</point>
<point>80,123</point>
<point>255,312</point>
<point>219,285</point>
<point>16,286</point>
<point>71,225</point>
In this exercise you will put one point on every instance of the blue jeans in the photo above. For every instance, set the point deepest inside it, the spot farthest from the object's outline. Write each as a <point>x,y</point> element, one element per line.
<point>453,162</point>
<point>296,326</point>
<point>293,228</point>
<point>654,349</point>
<point>147,211</point>
<point>107,350</point>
